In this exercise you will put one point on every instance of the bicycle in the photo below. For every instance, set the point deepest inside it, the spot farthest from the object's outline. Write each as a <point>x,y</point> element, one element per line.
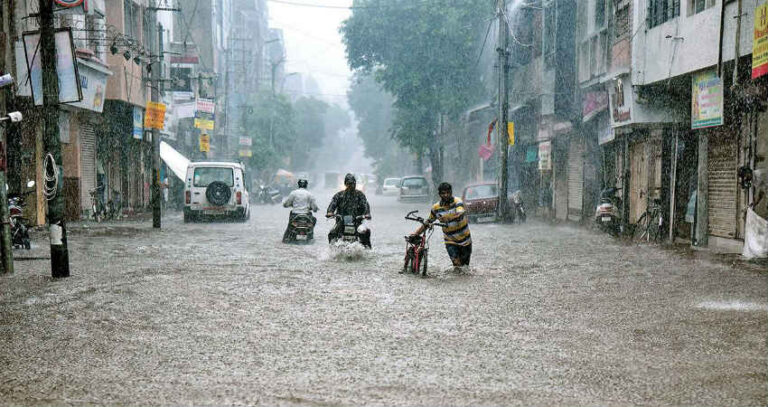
<point>417,247</point>
<point>650,223</point>
<point>98,211</point>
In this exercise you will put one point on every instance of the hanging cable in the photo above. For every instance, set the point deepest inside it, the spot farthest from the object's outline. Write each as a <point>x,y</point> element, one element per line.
<point>51,177</point>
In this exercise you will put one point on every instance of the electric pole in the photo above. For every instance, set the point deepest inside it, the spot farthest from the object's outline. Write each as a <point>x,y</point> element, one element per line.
<point>55,215</point>
<point>6,62</point>
<point>501,124</point>
<point>156,47</point>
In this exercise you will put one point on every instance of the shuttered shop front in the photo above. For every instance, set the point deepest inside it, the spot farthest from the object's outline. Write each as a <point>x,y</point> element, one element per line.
<point>88,163</point>
<point>575,178</point>
<point>723,186</point>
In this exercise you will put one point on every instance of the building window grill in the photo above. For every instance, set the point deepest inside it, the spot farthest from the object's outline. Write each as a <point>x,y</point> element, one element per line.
<point>661,11</point>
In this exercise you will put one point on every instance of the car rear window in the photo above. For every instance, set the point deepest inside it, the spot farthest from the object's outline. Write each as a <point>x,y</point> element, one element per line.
<point>391,181</point>
<point>205,175</point>
<point>481,192</point>
<point>415,182</point>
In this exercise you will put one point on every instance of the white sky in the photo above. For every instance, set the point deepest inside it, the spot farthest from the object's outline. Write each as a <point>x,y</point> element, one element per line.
<point>313,44</point>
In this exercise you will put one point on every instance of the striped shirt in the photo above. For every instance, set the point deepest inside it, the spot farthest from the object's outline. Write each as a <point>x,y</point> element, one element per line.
<point>456,231</point>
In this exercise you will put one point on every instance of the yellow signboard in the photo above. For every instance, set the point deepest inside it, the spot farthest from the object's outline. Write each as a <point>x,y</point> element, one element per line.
<point>154,117</point>
<point>511,133</point>
<point>760,42</point>
<point>204,124</point>
<point>205,143</point>
<point>246,153</point>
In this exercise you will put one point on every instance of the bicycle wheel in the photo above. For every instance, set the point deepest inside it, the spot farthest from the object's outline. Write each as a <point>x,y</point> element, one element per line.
<point>408,259</point>
<point>641,227</point>
<point>424,257</point>
<point>654,226</point>
<point>416,263</point>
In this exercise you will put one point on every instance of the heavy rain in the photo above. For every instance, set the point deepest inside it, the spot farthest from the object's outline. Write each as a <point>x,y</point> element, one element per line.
<point>384,202</point>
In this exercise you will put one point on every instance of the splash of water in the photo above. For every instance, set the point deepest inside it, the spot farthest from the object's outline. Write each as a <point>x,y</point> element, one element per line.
<point>733,306</point>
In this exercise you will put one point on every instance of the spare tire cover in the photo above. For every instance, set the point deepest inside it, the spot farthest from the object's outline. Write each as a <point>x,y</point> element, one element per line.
<point>218,193</point>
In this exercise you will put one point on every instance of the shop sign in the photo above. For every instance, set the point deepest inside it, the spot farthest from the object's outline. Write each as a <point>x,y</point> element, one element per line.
<point>138,121</point>
<point>205,143</point>
<point>68,3</point>
<point>707,100</point>
<point>545,156</point>
<point>246,141</point>
<point>155,116</point>
<point>204,118</point>
<point>181,79</point>
<point>93,83</point>
<point>620,107</point>
<point>592,104</point>
<point>532,154</point>
<point>203,123</point>
<point>760,42</point>
<point>606,135</point>
<point>66,66</point>
<point>246,153</point>
<point>511,133</point>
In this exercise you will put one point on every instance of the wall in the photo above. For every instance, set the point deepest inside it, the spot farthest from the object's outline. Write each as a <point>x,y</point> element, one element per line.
<point>693,42</point>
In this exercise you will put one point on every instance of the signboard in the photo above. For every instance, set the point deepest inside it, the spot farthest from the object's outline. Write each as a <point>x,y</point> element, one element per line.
<point>206,88</point>
<point>545,156</point>
<point>246,141</point>
<point>68,3</point>
<point>621,97</point>
<point>511,133</point>
<point>181,79</point>
<point>531,154</point>
<point>760,42</point>
<point>66,68</point>
<point>592,104</point>
<point>246,153</point>
<point>138,128</point>
<point>205,143</point>
<point>93,83</point>
<point>707,100</point>
<point>155,116</point>
<point>204,117</point>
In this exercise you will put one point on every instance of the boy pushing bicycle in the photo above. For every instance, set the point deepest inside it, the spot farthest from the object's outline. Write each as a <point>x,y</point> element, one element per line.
<point>450,211</point>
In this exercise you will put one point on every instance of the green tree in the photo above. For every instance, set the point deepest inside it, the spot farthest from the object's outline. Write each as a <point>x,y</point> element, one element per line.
<point>424,54</point>
<point>310,115</point>
<point>269,120</point>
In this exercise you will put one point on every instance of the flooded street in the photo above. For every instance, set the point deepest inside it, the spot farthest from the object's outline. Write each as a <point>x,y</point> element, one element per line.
<point>225,314</point>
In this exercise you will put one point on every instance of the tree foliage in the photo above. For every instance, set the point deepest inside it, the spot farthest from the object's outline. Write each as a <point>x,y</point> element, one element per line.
<point>424,54</point>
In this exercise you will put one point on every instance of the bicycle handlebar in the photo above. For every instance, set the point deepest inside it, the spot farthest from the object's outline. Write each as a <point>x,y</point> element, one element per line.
<point>422,220</point>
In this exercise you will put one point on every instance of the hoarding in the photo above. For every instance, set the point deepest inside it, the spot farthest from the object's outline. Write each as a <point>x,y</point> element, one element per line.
<point>760,41</point>
<point>66,66</point>
<point>706,100</point>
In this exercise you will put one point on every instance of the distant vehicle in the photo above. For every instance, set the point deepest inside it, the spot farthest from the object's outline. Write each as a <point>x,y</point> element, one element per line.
<point>414,188</point>
<point>216,190</point>
<point>481,200</point>
<point>390,186</point>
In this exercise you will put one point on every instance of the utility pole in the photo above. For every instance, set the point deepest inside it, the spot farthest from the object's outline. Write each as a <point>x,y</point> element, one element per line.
<point>157,50</point>
<point>6,60</point>
<point>501,124</point>
<point>55,215</point>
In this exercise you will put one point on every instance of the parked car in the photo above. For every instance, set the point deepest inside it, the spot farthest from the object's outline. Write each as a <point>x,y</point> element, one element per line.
<point>216,190</point>
<point>481,200</point>
<point>391,186</point>
<point>414,188</point>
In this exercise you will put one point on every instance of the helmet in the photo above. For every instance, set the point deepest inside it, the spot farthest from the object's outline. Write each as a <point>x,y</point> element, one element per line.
<point>349,179</point>
<point>303,183</point>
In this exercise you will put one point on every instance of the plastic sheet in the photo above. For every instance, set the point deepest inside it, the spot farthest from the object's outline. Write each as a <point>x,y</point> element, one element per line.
<point>755,236</point>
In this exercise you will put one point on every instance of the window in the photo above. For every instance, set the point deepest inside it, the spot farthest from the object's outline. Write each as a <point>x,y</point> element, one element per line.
<point>661,11</point>
<point>549,36</point>
<point>131,20</point>
<point>482,192</point>
<point>622,25</point>
<point>205,175</point>
<point>599,13</point>
<point>697,6</point>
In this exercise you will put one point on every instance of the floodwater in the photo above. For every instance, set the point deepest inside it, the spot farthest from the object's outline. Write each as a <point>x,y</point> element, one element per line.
<point>225,314</point>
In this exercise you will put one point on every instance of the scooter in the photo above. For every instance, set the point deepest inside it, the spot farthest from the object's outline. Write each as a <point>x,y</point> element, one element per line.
<point>268,195</point>
<point>608,214</point>
<point>518,209</point>
<point>19,227</point>
<point>301,228</point>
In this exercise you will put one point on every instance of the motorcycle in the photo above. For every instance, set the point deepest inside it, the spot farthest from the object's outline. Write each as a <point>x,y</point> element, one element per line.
<point>18,224</point>
<point>268,195</point>
<point>301,228</point>
<point>518,210</point>
<point>608,213</point>
<point>351,228</point>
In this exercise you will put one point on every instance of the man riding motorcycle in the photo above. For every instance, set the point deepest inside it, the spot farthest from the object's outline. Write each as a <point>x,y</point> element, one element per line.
<point>302,202</point>
<point>349,202</point>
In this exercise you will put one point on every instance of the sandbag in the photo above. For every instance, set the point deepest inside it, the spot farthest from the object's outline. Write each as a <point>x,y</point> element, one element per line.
<point>755,236</point>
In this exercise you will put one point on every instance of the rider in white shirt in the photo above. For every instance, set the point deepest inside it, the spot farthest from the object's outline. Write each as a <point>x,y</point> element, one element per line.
<point>302,202</point>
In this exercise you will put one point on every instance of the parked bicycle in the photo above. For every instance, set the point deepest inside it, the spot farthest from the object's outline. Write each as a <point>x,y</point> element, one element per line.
<point>98,211</point>
<point>650,224</point>
<point>417,247</point>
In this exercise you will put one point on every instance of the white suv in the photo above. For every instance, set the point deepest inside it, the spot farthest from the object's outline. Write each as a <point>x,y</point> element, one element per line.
<point>215,190</point>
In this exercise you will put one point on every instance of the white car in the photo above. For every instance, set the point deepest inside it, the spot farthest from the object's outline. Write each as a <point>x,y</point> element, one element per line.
<point>216,190</point>
<point>390,186</point>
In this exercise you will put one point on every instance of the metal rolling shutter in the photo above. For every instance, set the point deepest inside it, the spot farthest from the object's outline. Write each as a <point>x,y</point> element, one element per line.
<point>560,164</point>
<point>575,178</point>
<point>723,188</point>
<point>88,163</point>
